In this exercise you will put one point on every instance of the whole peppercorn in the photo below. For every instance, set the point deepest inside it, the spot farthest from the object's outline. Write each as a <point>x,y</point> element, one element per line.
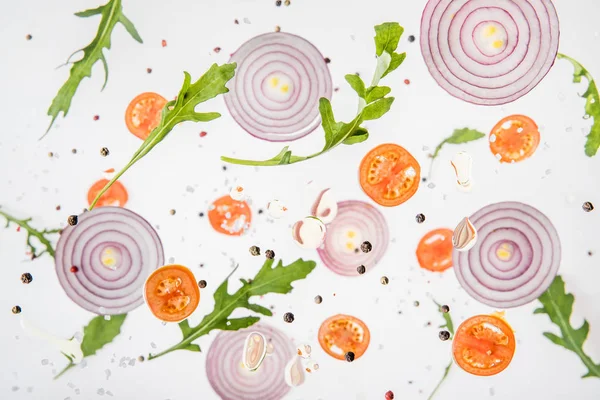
<point>287,2</point>
<point>411,38</point>
<point>444,335</point>
<point>74,151</point>
<point>255,250</point>
<point>201,214</point>
<point>72,220</point>
<point>270,254</point>
<point>16,310</point>
<point>349,356</point>
<point>288,317</point>
<point>384,280</point>
<point>445,308</point>
<point>278,3</point>
<point>202,284</point>
<point>28,37</point>
<point>74,269</point>
<point>389,395</point>
<point>50,154</point>
<point>416,303</point>
<point>318,299</point>
<point>366,247</point>
<point>327,60</point>
<point>420,218</point>
<point>172,212</point>
<point>26,278</point>
<point>104,151</point>
<point>587,206</point>
<point>149,70</point>
<point>361,269</point>
<point>141,359</point>
<point>96,117</point>
<point>217,50</point>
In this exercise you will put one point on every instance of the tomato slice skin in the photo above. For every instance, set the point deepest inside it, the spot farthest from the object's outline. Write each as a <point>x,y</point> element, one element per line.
<point>143,113</point>
<point>172,293</point>
<point>515,138</point>
<point>229,216</point>
<point>484,345</point>
<point>340,334</point>
<point>116,195</point>
<point>434,251</point>
<point>389,175</point>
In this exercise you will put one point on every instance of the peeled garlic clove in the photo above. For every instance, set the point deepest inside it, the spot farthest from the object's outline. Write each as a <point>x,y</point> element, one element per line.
<point>309,233</point>
<point>294,374</point>
<point>464,236</point>
<point>311,367</point>
<point>276,209</point>
<point>463,165</point>
<point>325,207</point>
<point>255,350</point>
<point>238,193</point>
<point>303,350</point>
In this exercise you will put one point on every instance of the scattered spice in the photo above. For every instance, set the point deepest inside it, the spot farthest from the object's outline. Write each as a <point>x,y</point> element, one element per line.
<point>260,211</point>
<point>327,60</point>
<point>407,82</point>
<point>201,214</point>
<point>587,206</point>
<point>349,356</point>
<point>270,254</point>
<point>420,218</point>
<point>72,220</point>
<point>416,303</point>
<point>590,253</point>
<point>278,3</point>
<point>50,154</point>
<point>58,208</point>
<point>411,38</point>
<point>141,358</point>
<point>288,317</point>
<point>445,308</point>
<point>318,299</point>
<point>235,21</point>
<point>217,50</point>
<point>361,269</point>
<point>104,151</point>
<point>255,250</point>
<point>164,43</point>
<point>389,395</point>
<point>16,310</point>
<point>287,2</point>
<point>202,284</point>
<point>203,133</point>
<point>366,246</point>
<point>384,280</point>
<point>172,212</point>
<point>74,151</point>
<point>224,167</point>
<point>26,278</point>
<point>277,28</point>
<point>444,335</point>
<point>96,117</point>
<point>74,269</point>
<point>149,70</point>
<point>28,37</point>
<point>336,89</point>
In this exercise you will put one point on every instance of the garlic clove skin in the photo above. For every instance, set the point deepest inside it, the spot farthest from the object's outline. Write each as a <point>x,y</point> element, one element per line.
<point>294,373</point>
<point>462,163</point>
<point>255,350</point>
<point>325,207</point>
<point>309,233</point>
<point>464,236</point>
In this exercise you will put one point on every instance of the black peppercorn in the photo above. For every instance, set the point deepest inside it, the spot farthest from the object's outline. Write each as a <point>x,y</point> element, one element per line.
<point>411,38</point>
<point>16,310</point>
<point>420,218</point>
<point>366,247</point>
<point>26,277</point>
<point>270,254</point>
<point>72,220</point>
<point>260,211</point>
<point>444,335</point>
<point>349,356</point>
<point>202,284</point>
<point>224,167</point>
<point>416,303</point>
<point>361,269</point>
<point>28,37</point>
<point>445,308</point>
<point>318,299</point>
<point>327,60</point>
<point>288,317</point>
<point>255,250</point>
<point>278,3</point>
<point>587,206</point>
<point>384,280</point>
<point>201,214</point>
<point>104,151</point>
<point>149,70</point>
<point>74,151</point>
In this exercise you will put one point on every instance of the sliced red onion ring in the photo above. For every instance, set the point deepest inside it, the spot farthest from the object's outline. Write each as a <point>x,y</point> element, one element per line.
<point>114,250</point>
<point>489,52</point>
<point>325,207</point>
<point>516,257</point>
<point>277,85</point>
<point>232,381</point>
<point>356,222</point>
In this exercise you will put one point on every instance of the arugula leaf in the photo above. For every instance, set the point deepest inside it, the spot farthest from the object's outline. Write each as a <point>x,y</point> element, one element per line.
<point>210,85</point>
<point>98,333</point>
<point>450,326</point>
<point>373,103</point>
<point>112,13</point>
<point>267,280</point>
<point>592,105</point>
<point>459,136</point>
<point>32,232</point>
<point>558,305</point>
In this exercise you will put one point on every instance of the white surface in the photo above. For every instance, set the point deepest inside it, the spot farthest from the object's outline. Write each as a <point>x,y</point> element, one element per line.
<point>557,180</point>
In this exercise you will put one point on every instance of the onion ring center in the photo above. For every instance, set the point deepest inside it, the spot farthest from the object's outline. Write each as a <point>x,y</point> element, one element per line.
<point>490,38</point>
<point>110,258</point>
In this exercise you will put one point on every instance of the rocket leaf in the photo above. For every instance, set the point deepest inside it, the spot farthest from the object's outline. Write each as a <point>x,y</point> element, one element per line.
<point>450,326</point>
<point>459,136</point>
<point>33,233</point>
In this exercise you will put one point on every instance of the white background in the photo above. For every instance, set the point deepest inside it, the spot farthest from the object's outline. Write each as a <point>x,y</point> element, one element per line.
<point>556,180</point>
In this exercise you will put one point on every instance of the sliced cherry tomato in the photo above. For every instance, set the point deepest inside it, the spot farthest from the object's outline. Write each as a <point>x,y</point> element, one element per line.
<point>389,175</point>
<point>229,216</point>
<point>116,195</point>
<point>172,293</point>
<point>483,345</point>
<point>343,333</point>
<point>434,251</point>
<point>143,114</point>
<point>514,138</point>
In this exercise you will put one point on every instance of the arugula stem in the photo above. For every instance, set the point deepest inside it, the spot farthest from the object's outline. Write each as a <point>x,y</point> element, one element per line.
<point>446,371</point>
<point>61,373</point>
<point>32,232</point>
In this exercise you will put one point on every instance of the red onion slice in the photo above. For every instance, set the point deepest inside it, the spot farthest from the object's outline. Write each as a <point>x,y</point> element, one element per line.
<point>356,222</point>
<point>516,257</point>
<point>489,52</point>
<point>114,250</point>
<point>232,381</point>
<point>277,85</point>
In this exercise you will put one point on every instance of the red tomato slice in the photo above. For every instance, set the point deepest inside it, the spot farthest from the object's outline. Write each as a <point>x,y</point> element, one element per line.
<point>116,195</point>
<point>514,138</point>
<point>343,333</point>
<point>434,251</point>
<point>172,293</point>
<point>143,114</point>
<point>230,217</point>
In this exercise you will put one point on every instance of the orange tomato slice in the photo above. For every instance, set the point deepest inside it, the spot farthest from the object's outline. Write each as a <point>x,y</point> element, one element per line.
<point>389,175</point>
<point>143,114</point>
<point>116,195</point>
<point>230,216</point>
<point>514,138</point>
<point>483,345</point>
<point>172,293</point>
<point>343,333</point>
<point>434,250</point>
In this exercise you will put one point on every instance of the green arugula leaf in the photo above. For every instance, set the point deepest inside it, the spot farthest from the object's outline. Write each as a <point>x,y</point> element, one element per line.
<point>459,136</point>
<point>112,13</point>
<point>592,105</point>
<point>450,326</point>
<point>210,85</point>
<point>33,233</point>
<point>267,280</point>
<point>558,305</point>
<point>372,103</point>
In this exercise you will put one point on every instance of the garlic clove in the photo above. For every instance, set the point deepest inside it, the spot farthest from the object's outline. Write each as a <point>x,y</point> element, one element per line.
<point>464,236</point>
